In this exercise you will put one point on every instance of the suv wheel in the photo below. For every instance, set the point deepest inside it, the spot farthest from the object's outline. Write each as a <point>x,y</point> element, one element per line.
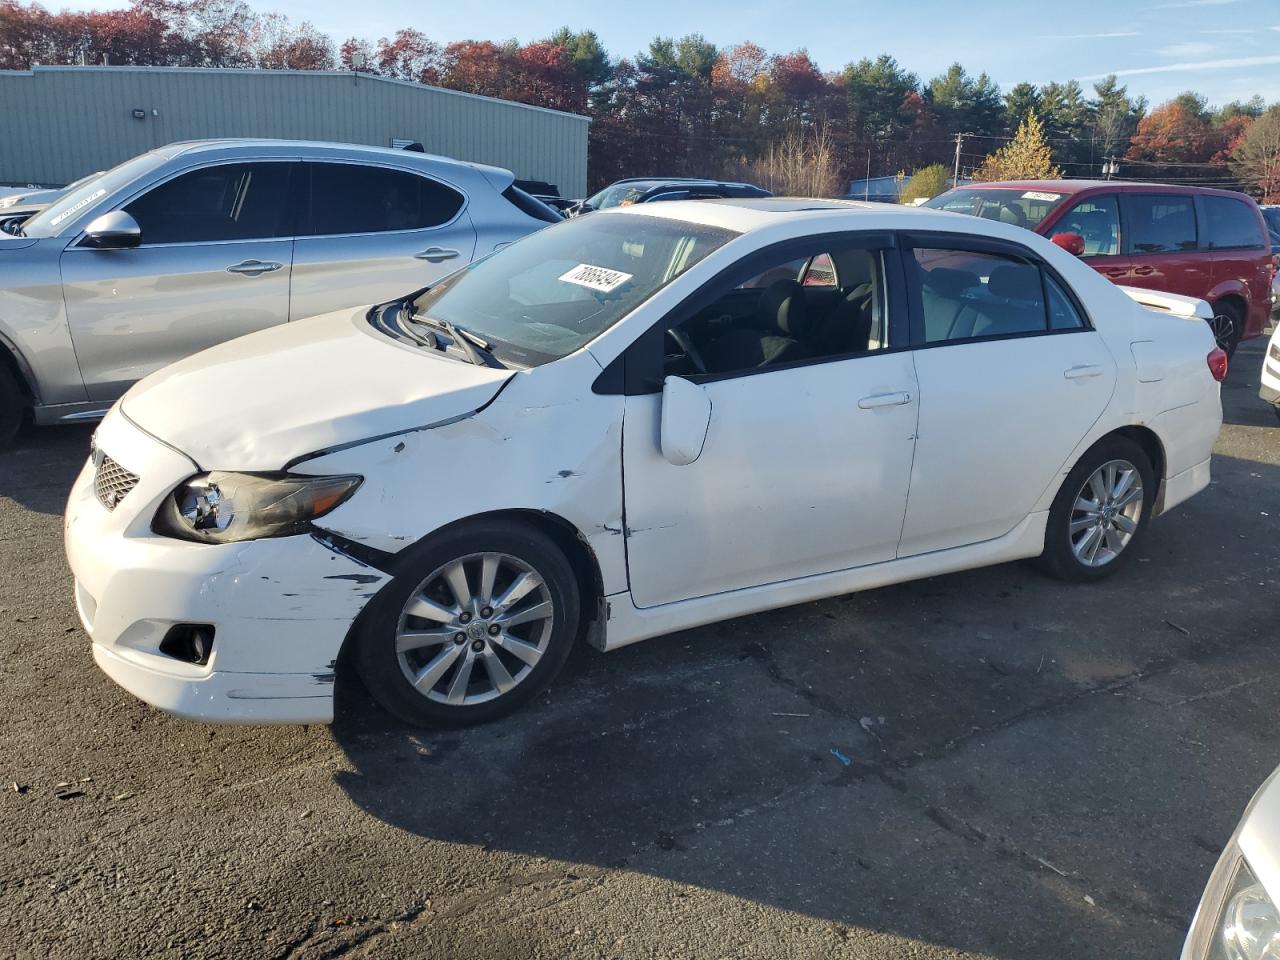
<point>480,620</point>
<point>1227,326</point>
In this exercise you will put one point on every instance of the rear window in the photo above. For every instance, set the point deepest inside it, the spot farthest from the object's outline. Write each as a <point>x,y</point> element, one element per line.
<point>1231,224</point>
<point>351,198</point>
<point>1156,223</point>
<point>530,206</point>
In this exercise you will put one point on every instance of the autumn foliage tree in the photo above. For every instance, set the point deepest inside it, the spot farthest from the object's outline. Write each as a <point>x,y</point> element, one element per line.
<point>1026,157</point>
<point>1256,158</point>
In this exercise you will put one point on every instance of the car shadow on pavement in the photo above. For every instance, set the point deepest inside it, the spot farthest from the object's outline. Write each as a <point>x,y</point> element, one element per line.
<point>993,761</point>
<point>1241,404</point>
<point>37,470</point>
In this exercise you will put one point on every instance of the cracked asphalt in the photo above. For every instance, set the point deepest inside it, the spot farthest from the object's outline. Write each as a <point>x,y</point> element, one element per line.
<point>989,764</point>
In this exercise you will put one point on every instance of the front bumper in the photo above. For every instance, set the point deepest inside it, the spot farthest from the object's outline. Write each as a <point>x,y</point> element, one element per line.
<point>280,608</point>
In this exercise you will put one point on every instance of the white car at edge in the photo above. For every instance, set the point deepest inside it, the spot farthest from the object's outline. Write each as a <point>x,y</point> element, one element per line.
<point>1269,388</point>
<point>621,426</point>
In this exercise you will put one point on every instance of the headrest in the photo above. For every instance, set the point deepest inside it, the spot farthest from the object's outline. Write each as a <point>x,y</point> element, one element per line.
<point>782,305</point>
<point>1015,283</point>
<point>947,282</point>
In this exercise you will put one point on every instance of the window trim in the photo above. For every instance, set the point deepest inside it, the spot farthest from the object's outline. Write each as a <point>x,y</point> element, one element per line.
<point>1129,196</point>
<point>992,246</point>
<point>119,204</point>
<point>637,371</point>
<point>304,216</point>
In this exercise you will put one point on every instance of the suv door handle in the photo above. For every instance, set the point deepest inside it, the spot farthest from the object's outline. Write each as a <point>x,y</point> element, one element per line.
<point>254,268</point>
<point>1082,372</point>
<point>1116,271</point>
<point>435,254</point>
<point>884,400</point>
<point>1143,271</point>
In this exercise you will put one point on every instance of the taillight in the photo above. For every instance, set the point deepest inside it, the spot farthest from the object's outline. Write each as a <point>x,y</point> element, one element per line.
<point>1217,360</point>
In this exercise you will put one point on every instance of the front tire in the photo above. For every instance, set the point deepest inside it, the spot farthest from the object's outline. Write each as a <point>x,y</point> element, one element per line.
<point>479,621</point>
<point>1100,513</point>
<point>13,405</point>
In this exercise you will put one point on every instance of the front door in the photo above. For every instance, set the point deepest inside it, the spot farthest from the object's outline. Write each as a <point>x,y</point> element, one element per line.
<point>214,264</point>
<point>805,465</point>
<point>373,234</point>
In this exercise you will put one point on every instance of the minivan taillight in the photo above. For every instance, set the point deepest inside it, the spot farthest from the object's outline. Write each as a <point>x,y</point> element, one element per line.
<point>1217,360</point>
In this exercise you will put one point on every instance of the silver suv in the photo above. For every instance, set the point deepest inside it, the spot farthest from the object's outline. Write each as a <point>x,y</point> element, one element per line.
<point>196,243</point>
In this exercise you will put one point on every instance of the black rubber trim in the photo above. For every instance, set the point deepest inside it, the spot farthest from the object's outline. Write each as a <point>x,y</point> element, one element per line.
<point>361,553</point>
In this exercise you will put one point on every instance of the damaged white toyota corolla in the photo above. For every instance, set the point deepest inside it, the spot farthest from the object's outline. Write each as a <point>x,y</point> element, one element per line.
<point>624,425</point>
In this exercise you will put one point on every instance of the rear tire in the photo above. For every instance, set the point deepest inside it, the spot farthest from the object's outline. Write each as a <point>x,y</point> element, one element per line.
<point>13,406</point>
<point>470,653</point>
<point>1227,326</point>
<point>1100,514</point>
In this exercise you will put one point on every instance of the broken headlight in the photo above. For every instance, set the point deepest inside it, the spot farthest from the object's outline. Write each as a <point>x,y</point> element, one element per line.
<point>225,507</point>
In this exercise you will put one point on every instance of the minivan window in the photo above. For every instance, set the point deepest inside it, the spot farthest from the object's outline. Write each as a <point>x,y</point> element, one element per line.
<point>1231,224</point>
<point>352,198</point>
<point>1097,222</point>
<point>1156,223</point>
<point>550,293</point>
<point>69,209</point>
<point>230,201</point>
<point>1022,208</point>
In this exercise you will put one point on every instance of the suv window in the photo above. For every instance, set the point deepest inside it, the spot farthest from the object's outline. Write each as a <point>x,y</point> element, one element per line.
<point>1159,224</point>
<point>1097,221</point>
<point>778,318</point>
<point>966,295</point>
<point>231,201</point>
<point>1231,224</point>
<point>352,198</point>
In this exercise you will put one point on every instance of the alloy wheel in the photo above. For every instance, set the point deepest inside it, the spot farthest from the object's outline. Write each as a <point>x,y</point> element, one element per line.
<point>474,628</point>
<point>1106,513</point>
<point>1224,330</point>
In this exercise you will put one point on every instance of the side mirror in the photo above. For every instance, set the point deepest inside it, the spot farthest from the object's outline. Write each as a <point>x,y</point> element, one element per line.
<point>1073,243</point>
<point>686,417</point>
<point>113,231</point>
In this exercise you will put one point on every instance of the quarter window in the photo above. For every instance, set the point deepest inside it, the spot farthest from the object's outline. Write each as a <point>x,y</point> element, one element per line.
<point>233,201</point>
<point>1159,224</point>
<point>966,295</point>
<point>350,198</point>
<point>1063,314</point>
<point>1231,224</point>
<point>1097,222</point>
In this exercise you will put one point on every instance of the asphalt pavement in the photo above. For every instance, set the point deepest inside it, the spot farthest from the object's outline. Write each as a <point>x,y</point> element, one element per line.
<point>988,764</point>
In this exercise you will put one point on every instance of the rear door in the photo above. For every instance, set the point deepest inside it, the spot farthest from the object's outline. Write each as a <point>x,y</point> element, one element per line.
<point>1161,241</point>
<point>1012,377</point>
<point>1239,253</point>
<point>372,233</point>
<point>214,264</point>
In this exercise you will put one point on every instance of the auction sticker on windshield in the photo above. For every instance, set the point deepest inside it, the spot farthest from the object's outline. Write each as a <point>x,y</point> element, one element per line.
<point>77,206</point>
<point>1036,195</point>
<point>596,278</point>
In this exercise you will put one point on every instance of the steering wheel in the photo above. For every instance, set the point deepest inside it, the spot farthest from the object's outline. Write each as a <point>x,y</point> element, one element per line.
<point>684,343</point>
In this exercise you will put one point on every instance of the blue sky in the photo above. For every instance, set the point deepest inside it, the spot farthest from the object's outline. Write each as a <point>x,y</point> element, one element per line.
<point>1226,49</point>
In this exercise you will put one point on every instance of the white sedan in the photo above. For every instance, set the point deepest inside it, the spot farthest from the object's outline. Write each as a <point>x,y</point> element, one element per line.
<point>621,426</point>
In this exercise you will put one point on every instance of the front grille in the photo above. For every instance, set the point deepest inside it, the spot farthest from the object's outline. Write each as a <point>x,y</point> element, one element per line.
<point>112,482</point>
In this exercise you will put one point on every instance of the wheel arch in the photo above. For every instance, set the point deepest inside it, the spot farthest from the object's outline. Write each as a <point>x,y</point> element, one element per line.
<point>12,359</point>
<point>1140,434</point>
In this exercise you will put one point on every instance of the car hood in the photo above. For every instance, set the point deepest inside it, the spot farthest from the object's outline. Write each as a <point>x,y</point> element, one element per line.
<point>262,401</point>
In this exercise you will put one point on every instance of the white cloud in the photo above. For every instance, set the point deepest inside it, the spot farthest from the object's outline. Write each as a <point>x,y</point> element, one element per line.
<point>1187,50</point>
<point>1222,64</point>
<point>1093,36</point>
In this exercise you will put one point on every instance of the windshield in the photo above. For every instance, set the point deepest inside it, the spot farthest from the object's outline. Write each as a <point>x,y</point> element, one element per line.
<point>621,193</point>
<point>545,296</point>
<point>1022,208</point>
<point>65,210</point>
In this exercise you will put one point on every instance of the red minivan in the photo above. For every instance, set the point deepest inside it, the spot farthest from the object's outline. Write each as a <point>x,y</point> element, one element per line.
<point>1195,241</point>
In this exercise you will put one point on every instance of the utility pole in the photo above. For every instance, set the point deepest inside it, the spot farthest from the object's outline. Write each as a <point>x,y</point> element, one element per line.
<point>955,175</point>
<point>866,184</point>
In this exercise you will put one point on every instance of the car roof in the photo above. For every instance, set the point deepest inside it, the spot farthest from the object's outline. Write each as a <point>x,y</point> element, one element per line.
<point>1071,187</point>
<point>501,178</point>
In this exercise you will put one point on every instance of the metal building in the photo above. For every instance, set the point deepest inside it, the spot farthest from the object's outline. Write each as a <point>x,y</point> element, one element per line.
<point>61,123</point>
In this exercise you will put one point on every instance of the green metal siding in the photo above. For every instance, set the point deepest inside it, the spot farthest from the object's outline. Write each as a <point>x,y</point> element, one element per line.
<point>63,122</point>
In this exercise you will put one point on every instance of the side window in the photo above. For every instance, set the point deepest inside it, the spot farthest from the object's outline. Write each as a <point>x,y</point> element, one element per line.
<point>1159,224</point>
<point>1097,221</point>
<point>232,201</point>
<point>1063,314</point>
<point>778,317</point>
<point>1231,224</point>
<point>966,295</point>
<point>351,198</point>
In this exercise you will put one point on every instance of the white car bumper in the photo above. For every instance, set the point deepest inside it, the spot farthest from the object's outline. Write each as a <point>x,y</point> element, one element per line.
<point>1270,387</point>
<point>279,608</point>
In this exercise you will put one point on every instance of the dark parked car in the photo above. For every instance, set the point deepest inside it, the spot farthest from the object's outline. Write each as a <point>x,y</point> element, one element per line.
<point>1211,244</point>
<point>651,189</point>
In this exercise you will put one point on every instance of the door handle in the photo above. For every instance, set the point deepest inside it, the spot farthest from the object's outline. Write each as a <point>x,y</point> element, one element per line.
<point>435,254</point>
<point>1116,271</point>
<point>884,400</point>
<point>254,268</point>
<point>1143,271</point>
<point>1082,372</point>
